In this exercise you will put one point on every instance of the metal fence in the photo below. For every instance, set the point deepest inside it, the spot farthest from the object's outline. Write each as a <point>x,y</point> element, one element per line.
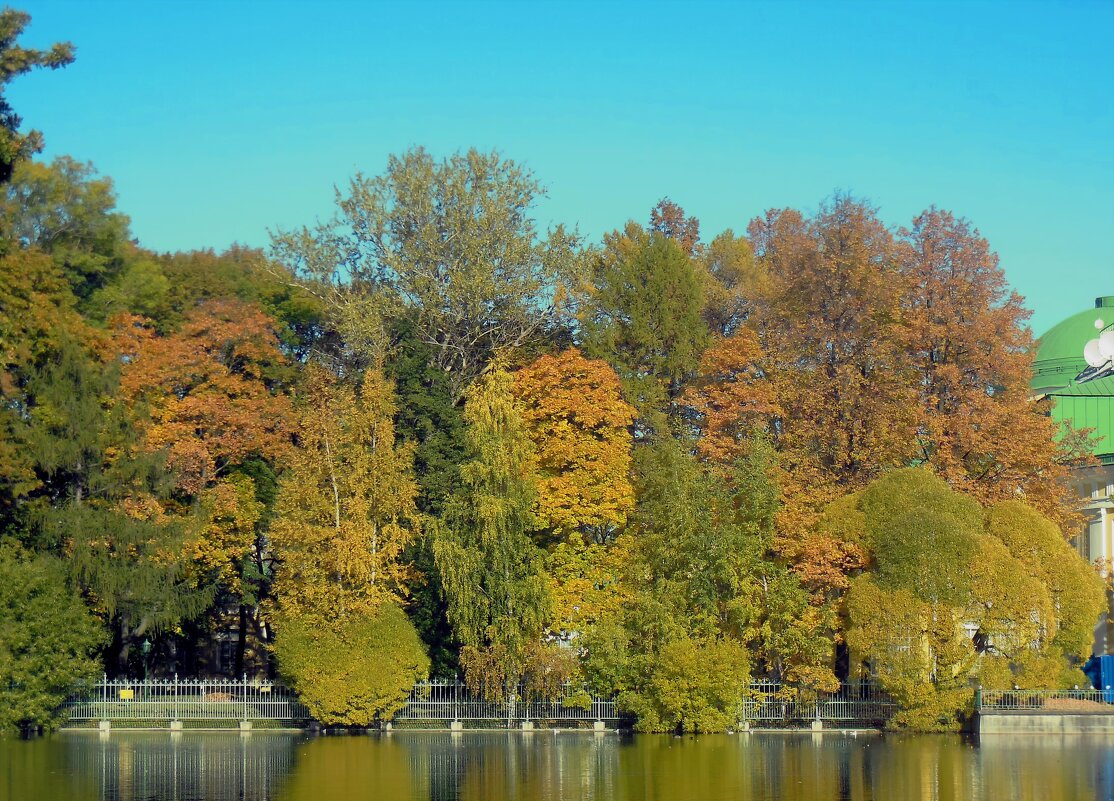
<point>855,703</point>
<point>159,701</point>
<point>436,701</point>
<point>1093,701</point>
<point>156,702</point>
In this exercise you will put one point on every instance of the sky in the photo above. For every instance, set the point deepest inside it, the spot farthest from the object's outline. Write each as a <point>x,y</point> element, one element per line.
<point>220,121</point>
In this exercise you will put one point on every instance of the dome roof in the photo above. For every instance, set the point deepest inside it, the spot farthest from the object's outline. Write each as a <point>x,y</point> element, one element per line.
<point>1060,350</point>
<point>1060,359</point>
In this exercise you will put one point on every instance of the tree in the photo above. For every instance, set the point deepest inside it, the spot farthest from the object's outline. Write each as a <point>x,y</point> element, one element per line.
<point>668,219</point>
<point>453,243</point>
<point>733,280</point>
<point>702,588</point>
<point>955,595</point>
<point>214,390</point>
<point>644,318</point>
<point>66,210</point>
<point>345,512</point>
<point>831,327</point>
<point>96,498</point>
<point>578,423</point>
<point>729,400</point>
<point>216,393</point>
<point>973,354</point>
<point>48,639</point>
<point>490,568</point>
<point>353,672</point>
<point>36,316</point>
<point>16,61</point>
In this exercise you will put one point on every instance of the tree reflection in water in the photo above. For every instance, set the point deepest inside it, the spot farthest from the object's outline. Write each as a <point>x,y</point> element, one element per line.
<point>489,766</point>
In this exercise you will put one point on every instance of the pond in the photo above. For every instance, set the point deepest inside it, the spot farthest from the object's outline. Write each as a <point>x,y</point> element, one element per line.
<point>491,766</point>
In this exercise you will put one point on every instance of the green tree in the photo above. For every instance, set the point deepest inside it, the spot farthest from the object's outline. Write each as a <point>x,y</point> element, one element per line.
<point>356,672</point>
<point>65,209</point>
<point>453,243</point>
<point>48,639</point>
<point>644,318</point>
<point>955,595</point>
<point>490,568</point>
<point>16,61</point>
<point>95,500</point>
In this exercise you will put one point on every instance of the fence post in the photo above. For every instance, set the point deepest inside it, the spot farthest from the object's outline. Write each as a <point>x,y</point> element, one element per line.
<point>978,699</point>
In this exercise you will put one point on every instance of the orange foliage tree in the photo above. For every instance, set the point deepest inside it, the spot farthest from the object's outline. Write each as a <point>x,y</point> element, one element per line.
<point>217,400</point>
<point>730,399</point>
<point>580,427</point>
<point>846,392</point>
<point>579,423</point>
<point>980,430</point>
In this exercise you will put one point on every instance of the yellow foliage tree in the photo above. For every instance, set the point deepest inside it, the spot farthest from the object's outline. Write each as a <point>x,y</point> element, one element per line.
<point>579,424</point>
<point>345,510</point>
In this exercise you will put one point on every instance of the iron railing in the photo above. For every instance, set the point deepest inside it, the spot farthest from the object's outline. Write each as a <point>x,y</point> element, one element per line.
<point>157,701</point>
<point>863,703</point>
<point>438,700</point>
<point>1058,701</point>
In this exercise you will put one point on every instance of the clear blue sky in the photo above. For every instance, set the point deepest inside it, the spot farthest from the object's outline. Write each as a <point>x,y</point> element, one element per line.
<point>220,120</point>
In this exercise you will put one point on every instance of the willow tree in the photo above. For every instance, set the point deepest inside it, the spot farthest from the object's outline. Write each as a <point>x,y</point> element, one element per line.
<point>345,514</point>
<point>490,568</point>
<point>955,596</point>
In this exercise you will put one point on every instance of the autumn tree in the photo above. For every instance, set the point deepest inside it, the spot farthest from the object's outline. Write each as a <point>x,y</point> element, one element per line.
<point>973,353</point>
<point>491,570</point>
<point>345,516</point>
<point>730,399</point>
<point>216,395</point>
<point>451,242</point>
<point>578,423</point>
<point>345,510</point>
<point>16,61</point>
<point>644,318</point>
<point>669,220</point>
<point>836,346</point>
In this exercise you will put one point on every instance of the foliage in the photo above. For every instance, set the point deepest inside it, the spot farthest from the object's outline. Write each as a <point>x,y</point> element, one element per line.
<point>643,316</point>
<point>490,569</point>
<point>345,511</point>
<point>16,61</point>
<point>694,685</point>
<point>95,499</point>
<point>831,328</point>
<point>973,352</point>
<point>47,639</point>
<point>210,390</point>
<point>66,210</point>
<point>955,595</point>
<point>450,241</point>
<point>578,423</point>
<point>355,671</point>
<point>729,400</point>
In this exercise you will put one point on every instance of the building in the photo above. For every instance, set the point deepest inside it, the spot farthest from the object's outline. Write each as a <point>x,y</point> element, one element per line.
<point>1076,376</point>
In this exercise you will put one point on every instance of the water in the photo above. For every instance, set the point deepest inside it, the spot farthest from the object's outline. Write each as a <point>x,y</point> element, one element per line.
<point>492,766</point>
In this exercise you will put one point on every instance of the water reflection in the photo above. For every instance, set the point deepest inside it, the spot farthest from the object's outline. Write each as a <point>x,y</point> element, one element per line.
<point>485,766</point>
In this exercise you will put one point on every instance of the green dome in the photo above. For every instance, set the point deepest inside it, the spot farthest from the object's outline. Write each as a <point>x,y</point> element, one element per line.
<point>1060,359</point>
<point>1060,350</point>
